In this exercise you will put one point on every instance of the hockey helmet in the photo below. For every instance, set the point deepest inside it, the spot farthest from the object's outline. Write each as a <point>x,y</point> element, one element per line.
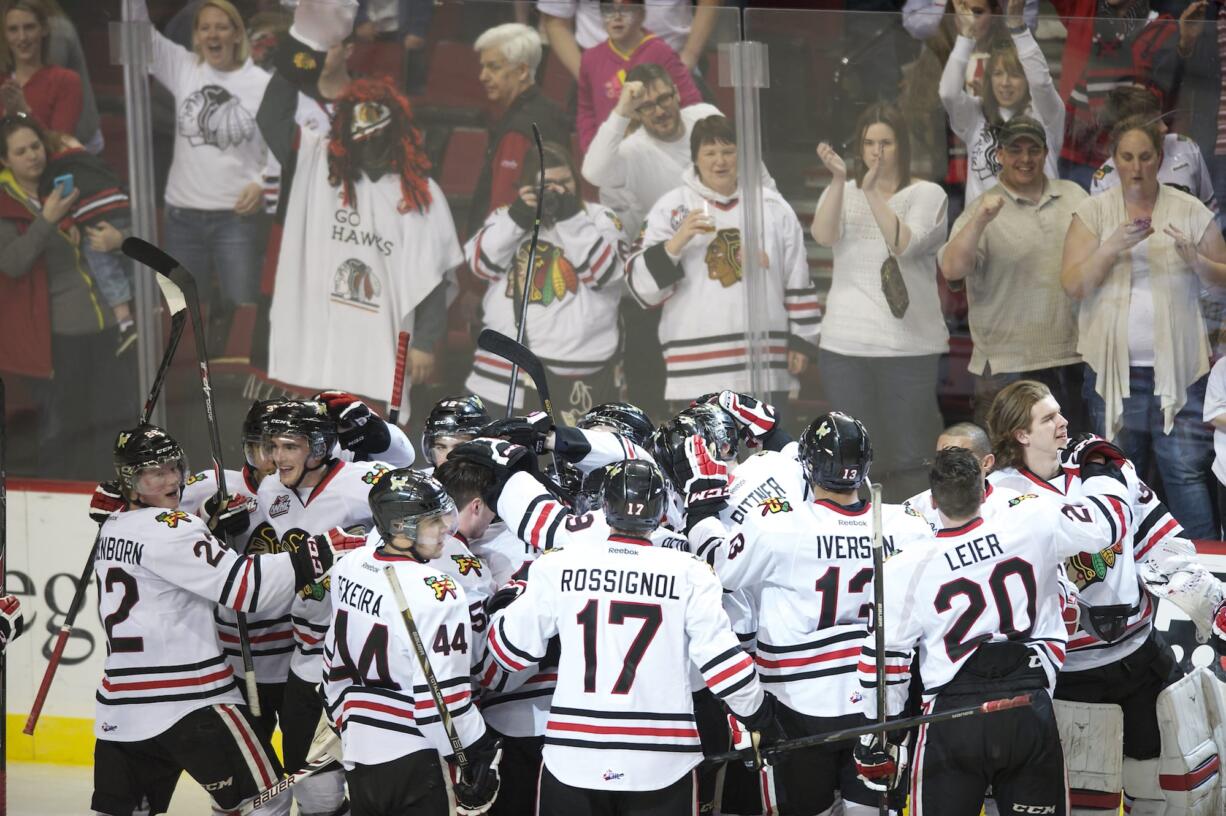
<point>623,418</point>
<point>145,446</point>
<point>835,452</point>
<point>590,495</point>
<point>460,416</point>
<point>253,431</point>
<point>404,500</point>
<point>634,496</point>
<point>306,418</point>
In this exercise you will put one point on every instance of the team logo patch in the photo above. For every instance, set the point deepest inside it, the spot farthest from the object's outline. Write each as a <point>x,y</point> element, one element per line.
<point>1016,500</point>
<point>280,506</point>
<point>675,217</point>
<point>376,473</point>
<point>1102,172</point>
<point>467,564</point>
<point>171,518</point>
<point>774,504</point>
<point>553,276</point>
<point>611,776</point>
<point>856,697</point>
<point>1085,569</point>
<point>305,61</point>
<point>724,257</point>
<point>196,477</point>
<point>442,586</point>
<point>318,590</point>
<point>215,117</point>
<point>356,284</point>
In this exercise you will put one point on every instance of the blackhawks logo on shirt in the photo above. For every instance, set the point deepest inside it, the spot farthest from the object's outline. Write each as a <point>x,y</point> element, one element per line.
<point>376,473</point>
<point>317,590</point>
<point>442,586</point>
<point>467,564</point>
<point>553,275</point>
<point>774,504</point>
<point>356,284</point>
<point>724,257</point>
<point>196,477</point>
<point>171,518</point>
<point>1086,568</point>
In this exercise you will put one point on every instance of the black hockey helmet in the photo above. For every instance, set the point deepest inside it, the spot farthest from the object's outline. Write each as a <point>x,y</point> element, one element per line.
<point>462,415</point>
<point>145,446</point>
<point>590,495</point>
<point>305,418</point>
<point>835,452</point>
<point>634,496</point>
<point>668,444</point>
<point>404,498</point>
<point>623,418</point>
<point>717,428</point>
<point>253,429</point>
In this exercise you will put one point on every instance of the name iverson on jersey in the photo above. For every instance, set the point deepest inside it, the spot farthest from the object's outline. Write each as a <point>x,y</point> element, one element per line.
<point>120,549</point>
<point>628,582</point>
<point>859,547</point>
<point>354,594</point>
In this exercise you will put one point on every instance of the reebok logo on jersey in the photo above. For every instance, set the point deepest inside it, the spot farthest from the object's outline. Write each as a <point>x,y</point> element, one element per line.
<point>442,586</point>
<point>171,518</point>
<point>467,564</point>
<point>775,505</point>
<point>376,474</point>
<point>280,506</point>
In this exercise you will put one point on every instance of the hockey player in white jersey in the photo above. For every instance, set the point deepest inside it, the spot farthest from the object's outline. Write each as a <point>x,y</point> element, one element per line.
<point>982,604</point>
<point>377,692</point>
<point>621,736</point>
<point>970,436</point>
<point>311,493</point>
<point>364,436</point>
<point>808,633</point>
<point>452,421</point>
<point>1117,661</point>
<point>168,701</point>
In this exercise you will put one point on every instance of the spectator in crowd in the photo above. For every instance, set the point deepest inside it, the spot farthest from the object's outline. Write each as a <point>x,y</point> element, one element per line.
<point>368,240</point>
<point>1183,164</point>
<point>52,327</point>
<point>604,66</point>
<point>49,93</point>
<point>1110,43</point>
<point>64,49</point>
<point>1215,414</point>
<point>214,195</point>
<point>1023,325</point>
<point>922,18</point>
<point>392,40</point>
<point>573,289</point>
<point>510,54</point>
<point>641,149</point>
<point>573,26</point>
<point>1016,81</point>
<point>689,260</point>
<point>883,335</point>
<point>1202,92</point>
<point>1136,257</point>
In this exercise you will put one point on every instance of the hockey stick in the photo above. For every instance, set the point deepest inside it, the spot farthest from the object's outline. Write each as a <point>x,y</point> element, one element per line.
<point>325,751</point>
<point>883,799</point>
<point>178,320</point>
<point>402,354</point>
<point>420,650</point>
<point>520,356</point>
<point>168,267</point>
<point>990,707</point>
<point>524,289</point>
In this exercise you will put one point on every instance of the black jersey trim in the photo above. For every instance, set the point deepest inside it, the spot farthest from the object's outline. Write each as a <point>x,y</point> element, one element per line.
<point>856,635</point>
<point>605,745</point>
<point>619,715</point>
<point>184,667</point>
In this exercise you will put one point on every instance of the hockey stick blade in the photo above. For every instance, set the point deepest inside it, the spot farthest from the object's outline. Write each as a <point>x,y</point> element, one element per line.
<point>990,707</point>
<point>517,354</point>
<point>157,260</point>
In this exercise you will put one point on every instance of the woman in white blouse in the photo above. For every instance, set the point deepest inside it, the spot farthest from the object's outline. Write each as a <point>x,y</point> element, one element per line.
<point>214,192</point>
<point>883,334</point>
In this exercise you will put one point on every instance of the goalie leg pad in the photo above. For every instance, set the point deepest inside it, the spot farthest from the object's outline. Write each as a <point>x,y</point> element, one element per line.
<point>1189,776</point>
<point>1095,776</point>
<point>1215,700</point>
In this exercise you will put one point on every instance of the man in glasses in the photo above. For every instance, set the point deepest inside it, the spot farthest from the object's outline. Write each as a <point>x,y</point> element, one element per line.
<point>1007,247</point>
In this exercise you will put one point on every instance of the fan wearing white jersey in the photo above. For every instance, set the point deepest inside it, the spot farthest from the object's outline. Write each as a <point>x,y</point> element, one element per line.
<point>620,737</point>
<point>809,568</point>
<point>377,692</point>
<point>311,493</point>
<point>168,702</point>
<point>1117,657</point>
<point>982,603</point>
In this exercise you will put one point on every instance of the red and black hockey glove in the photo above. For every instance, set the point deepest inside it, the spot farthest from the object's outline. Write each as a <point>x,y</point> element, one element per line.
<point>12,624</point>
<point>502,458</point>
<point>880,765</point>
<point>530,431</point>
<point>754,418</point>
<point>1217,635</point>
<point>1089,449</point>
<point>360,430</point>
<point>703,480</point>
<point>228,516</point>
<point>314,556</point>
<point>107,499</point>
<point>476,789</point>
<point>757,732</point>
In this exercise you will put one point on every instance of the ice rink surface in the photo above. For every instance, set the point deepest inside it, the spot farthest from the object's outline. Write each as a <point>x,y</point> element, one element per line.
<point>36,789</point>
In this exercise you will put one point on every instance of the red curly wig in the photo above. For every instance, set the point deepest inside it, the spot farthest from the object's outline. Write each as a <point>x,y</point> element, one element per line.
<point>409,160</point>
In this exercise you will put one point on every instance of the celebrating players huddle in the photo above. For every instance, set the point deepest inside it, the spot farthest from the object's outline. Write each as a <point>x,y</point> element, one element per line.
<point>497,637</point>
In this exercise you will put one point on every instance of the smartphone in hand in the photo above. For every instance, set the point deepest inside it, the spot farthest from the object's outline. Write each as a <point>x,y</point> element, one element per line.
<point>64,184</point>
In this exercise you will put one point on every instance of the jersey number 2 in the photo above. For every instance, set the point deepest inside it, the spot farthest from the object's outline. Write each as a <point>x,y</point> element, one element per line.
<point>619,611</point>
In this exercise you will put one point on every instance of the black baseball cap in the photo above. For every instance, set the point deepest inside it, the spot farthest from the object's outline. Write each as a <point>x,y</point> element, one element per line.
<point>1022,127</point>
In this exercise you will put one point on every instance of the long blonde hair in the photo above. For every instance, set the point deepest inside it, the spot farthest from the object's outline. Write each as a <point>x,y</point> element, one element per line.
<point>243,51</point>
<point>40,11</point>
<point>1010,413</point>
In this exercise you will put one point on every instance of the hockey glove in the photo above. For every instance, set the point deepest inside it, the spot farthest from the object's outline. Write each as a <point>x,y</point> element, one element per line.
<point>11,621</point>
<point>322,24</point>
<point>360,430</point>
<point>1086,447</point>
<point>530,431</point>
<point>502,458</point>
<point>756,419</point>
<point>107,499</point>
<point>504,596</point>
<point>1218,635</point>
<point>313,557</point>
<point>880,766</point>
<point>230,516</point>
<point>477,787</point>
<point>704,481</point>
<point>758,731</point>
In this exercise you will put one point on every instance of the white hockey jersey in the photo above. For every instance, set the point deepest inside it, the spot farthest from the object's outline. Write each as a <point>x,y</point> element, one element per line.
<point>629,616</point>
<point>1107,576</point>
<point>160,573</point>
<point>375,690</point>
<point>990,579</point>
<point>702,329</point>
<point>348,278</point>
<point>809,566</point>
<point>270,631</point>
<point>576,287</point>
<point>339,500</point>
<point>994,498</point>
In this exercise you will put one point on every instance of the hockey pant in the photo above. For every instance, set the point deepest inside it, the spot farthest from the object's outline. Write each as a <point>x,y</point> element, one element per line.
<point>559,799</point>
<point>219,747</point>
<point>323,793</point>
<point>412,785</point>
<point>519,770</point>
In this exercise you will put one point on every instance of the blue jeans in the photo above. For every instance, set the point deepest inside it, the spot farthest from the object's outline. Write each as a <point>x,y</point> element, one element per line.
<point>1217,172</point>
<point>1183,457</point>
<point>220,245</point>
<point>110,269</point>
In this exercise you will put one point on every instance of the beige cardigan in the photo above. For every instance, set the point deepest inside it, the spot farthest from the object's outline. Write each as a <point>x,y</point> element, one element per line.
<point>1181,348</point>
